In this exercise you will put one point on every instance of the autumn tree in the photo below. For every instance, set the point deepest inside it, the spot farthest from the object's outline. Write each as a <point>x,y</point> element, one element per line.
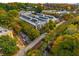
<point>67,45</point>
<point>67,17</point>
<point>34,52</point>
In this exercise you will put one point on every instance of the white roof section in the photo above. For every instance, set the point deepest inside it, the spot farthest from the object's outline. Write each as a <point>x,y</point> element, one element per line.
<point>4,31</point>
<point>37,18</point>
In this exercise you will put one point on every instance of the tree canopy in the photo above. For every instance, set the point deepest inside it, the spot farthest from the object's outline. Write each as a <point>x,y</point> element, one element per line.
<point>67,45</point>
<point>8,45</point>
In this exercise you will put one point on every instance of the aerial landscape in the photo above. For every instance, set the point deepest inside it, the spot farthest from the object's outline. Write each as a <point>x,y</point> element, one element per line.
<point>39,29</point>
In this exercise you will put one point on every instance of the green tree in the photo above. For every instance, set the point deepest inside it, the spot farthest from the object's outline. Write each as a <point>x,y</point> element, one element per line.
<point>10,20</point>
<point>29,30</point>
<point>48,26</point>
<point>8,45</point>
<point>51,24</point>
<point>13,13</point>
<point>38,8</point>
<point>4,20</point>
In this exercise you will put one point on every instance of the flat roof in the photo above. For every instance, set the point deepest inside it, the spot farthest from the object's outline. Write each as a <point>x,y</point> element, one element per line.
<point>36,18</point>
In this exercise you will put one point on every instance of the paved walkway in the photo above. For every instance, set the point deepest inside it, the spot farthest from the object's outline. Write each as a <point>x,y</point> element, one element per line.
<point>23,51</point>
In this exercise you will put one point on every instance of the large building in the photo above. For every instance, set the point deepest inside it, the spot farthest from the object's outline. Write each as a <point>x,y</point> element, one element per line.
<point>4,32</point>
<point>36,19</point>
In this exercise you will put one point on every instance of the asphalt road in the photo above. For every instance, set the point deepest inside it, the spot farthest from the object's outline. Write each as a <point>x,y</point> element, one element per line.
<point>23,51</point>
